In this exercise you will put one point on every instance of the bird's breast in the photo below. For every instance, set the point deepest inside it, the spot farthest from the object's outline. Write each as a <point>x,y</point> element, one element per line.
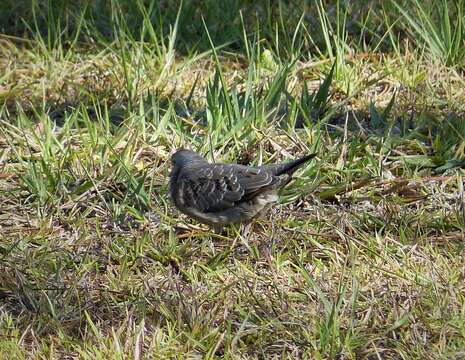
<point>267,198</point>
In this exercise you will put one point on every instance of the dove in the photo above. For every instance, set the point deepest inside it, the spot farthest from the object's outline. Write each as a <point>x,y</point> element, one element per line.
<point>221,194</point>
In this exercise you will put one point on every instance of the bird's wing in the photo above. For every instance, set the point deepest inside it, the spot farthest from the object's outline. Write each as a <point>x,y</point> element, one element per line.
<point>218,187</point>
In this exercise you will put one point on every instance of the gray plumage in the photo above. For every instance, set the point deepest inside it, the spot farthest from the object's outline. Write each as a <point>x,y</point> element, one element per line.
<point>221,194</point>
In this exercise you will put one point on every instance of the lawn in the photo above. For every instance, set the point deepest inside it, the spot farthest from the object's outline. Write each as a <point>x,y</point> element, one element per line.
<point>363,258</point>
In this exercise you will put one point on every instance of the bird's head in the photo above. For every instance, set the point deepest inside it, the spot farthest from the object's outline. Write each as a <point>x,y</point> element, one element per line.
<point>183,157</point>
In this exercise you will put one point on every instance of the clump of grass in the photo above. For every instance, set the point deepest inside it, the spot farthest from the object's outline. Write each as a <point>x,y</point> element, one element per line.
<point>441,27</point>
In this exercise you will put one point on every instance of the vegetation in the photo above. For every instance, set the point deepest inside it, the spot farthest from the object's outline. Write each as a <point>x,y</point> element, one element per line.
<point>363,258</point>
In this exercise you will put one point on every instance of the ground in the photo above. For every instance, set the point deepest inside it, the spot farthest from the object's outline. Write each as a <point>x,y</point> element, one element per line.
<point>362,257</point>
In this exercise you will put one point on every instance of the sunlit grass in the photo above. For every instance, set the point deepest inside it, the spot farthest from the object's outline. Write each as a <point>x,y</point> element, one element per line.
<point>361,259</point>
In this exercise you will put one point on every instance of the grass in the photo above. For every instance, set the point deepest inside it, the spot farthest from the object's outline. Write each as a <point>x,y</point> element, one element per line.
<point>363,257</point>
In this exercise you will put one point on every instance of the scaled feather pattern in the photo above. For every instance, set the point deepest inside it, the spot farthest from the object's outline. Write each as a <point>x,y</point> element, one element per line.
<point>220,194</point>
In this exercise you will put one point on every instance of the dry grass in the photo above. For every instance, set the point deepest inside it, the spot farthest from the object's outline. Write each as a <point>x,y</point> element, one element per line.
<point>362,259</point>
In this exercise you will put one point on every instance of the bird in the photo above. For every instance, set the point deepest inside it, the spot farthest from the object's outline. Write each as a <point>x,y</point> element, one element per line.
<point>219,194</point>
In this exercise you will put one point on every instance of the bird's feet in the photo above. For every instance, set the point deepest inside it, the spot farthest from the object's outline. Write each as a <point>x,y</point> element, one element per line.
<point>245,230</point>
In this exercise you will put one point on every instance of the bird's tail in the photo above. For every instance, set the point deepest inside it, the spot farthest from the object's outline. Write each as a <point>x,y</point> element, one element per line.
<point>291,167</point>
